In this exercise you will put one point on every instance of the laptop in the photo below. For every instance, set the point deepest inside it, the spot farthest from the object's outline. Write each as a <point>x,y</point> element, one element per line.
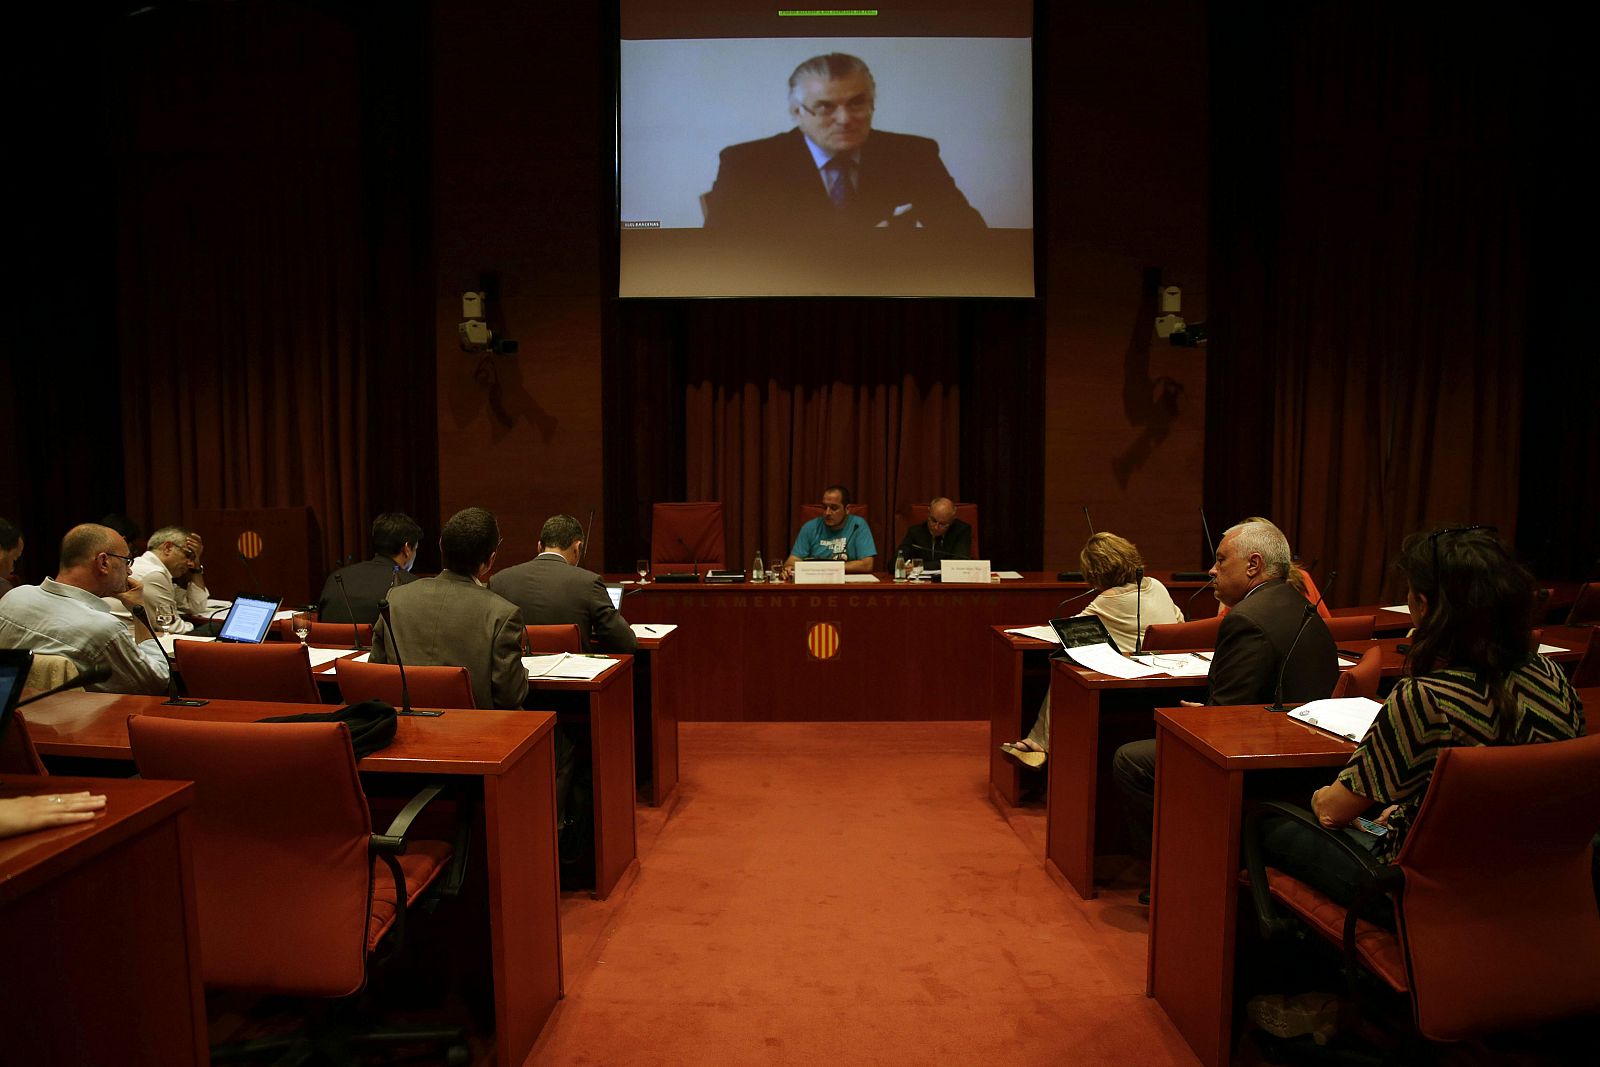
<point>15,663</point>
<point>249,619</point>
<point>1082,630</point>
<point>614,591</point>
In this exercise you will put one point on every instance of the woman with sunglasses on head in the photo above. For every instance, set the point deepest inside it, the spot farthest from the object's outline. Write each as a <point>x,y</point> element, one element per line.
<point>1472,678</point>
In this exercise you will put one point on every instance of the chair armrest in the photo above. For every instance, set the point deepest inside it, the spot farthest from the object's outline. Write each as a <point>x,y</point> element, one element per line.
<point>393,840</point>
<point>1377,879</point>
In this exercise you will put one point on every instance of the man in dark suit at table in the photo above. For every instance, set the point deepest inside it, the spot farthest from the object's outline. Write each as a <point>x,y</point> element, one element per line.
<point>941,537</point>
<point>551,589</point>
<point>1265,618</point>
<point>833,171</point>
<point>453,620</point>
<point>351,594</point>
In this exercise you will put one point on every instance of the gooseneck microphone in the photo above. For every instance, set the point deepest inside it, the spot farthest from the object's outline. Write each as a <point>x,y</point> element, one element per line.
<point>355,630</point>
<point>1138,610</point>
<point>583,553</point>
<point>250,571</point>
<point>1305,620</point>
<point>96,674</point>
<point>173,699</point>
<point>1091,591</point>
<point>1206,526</point>
<point>1088,520</point>
<point>1198,576</point>
<point>405,690</point>
<point>1209,585</point>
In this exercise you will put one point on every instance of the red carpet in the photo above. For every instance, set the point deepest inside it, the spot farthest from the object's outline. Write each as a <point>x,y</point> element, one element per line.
<point>847,894</point>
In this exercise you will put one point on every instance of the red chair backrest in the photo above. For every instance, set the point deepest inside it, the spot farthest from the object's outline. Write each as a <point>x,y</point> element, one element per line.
<point>684,534</point>
<point>430,687</point>
<point>1202,633</point>
<point>1350,627</point>
<point>337,634</point>
<point>1498,913</point>
<point>552,637</point>
<point>224,671</point>
<point>1587,672</point>
<point>280,833</point>
<point>1586,607</point>
<point>915,513</point>
<point>1362,679</point>
<point>17,754</point>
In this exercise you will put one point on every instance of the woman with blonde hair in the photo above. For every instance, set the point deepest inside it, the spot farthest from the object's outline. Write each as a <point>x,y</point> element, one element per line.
<point>1128,603</point>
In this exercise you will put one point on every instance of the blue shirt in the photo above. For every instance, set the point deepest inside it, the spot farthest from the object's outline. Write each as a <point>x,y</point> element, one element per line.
<point>64,620</point>
<point>851,541</point>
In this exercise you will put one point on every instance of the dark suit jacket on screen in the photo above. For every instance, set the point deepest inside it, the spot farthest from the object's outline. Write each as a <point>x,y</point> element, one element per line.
<point>774,184</point>
<point>1256,635</point>
<point>954,543</point>
<point>549,591</point>
<point>365,584</point>
<point>452,621</point>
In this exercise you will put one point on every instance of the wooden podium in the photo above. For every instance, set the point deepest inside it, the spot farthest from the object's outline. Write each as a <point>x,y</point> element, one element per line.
<point>277,551</point>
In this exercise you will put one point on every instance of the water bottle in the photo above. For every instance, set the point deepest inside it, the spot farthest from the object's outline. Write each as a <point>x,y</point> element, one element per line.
<point>899,566</point>
<point>758,572</point>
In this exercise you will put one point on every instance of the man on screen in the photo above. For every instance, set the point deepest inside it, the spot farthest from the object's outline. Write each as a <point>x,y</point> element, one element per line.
<point>833,170</point>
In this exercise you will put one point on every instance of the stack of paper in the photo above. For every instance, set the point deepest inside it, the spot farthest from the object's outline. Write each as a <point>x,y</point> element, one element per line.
<point>1347,717</point>
<point>1176,664</point>
<point>653,629</point>
<point>1038,633</point>
<point>319,656</point>
<point>167,639</point>
<point>570,665</point>
<point>1105,660</point>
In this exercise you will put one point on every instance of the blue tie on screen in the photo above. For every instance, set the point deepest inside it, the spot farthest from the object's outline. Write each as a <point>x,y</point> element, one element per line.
<point>840,189</point>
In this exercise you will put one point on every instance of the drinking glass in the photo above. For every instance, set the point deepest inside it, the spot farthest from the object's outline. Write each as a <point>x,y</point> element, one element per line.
<point>302,626</point>
<point>642,566</point>
<point>914,569</point>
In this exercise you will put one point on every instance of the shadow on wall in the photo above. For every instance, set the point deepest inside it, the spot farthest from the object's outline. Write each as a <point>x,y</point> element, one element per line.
<point>499,385</point>
<point>1150,403</point>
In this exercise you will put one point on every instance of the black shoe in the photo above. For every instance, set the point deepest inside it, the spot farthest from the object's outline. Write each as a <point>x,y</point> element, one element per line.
<point>1144,897</point>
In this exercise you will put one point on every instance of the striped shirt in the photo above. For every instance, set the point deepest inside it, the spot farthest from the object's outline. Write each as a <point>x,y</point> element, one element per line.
<point>1446,709</point>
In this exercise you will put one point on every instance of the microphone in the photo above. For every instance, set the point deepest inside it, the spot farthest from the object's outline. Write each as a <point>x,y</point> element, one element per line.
<point>173,699</point>
<point>1209,585</point>
<point>355,630</point>
<point>1088,520</point>
<point>1310,613</point>
<point>405,690</point>
<point>1087,592</point>
<point>1198,576</point>
<point>93,676</point>
<point>1205,526</point>
<point>250,572</point>
<point>1138,610</point>
<point>583,553</point>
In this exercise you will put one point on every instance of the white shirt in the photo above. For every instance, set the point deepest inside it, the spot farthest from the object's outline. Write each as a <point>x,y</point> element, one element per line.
<point>1127,611</point>
<point>162,594</point>
<point>63,620</point>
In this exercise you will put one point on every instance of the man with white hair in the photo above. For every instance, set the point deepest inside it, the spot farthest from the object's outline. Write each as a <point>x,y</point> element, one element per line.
<point>833,171</point>
<point>172,575</point>
<point>1265,617</point>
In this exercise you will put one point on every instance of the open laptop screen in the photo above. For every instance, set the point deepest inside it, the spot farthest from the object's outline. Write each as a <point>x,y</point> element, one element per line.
<point>1082,630</point>
<point>15,663</point>
<point>614,591</point>
<point>249,619</point>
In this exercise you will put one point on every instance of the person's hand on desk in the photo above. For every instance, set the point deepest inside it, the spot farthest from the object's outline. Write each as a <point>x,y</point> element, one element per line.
<point>1190,704</point>
<point>22,815</point>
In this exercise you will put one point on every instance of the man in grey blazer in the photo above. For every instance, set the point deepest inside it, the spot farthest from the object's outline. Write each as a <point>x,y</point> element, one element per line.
<point>455,621</point>
<point>552,589</point>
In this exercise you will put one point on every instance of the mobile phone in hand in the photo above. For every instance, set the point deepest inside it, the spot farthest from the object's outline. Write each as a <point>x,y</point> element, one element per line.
<point>1373,828</point>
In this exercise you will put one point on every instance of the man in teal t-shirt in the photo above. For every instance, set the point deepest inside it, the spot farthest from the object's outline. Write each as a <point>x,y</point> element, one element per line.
<point>835,535</point>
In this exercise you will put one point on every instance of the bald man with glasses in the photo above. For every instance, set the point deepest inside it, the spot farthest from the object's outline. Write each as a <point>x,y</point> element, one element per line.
<point>833,171</point>
<point>65,615</point>
<point>942,536</point>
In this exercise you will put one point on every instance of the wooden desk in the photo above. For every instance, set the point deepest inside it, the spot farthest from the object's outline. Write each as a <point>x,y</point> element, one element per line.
<point>506,756</point>
<point>663,699</point>
<point>607,704</point>
<point>900,652</point>
<point>98,931</point>
<point>1008,702</point>
<point>1203,756</point>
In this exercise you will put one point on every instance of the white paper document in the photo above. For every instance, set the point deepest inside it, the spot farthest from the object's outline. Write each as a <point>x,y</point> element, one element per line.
<point>1545,650</point>
<point>1038,633</point>
<point>1403,609</point>
<point>853,578</point>
<point>1347,717</point>
<point>653,629</point>
<point>1176,664</point>
<point>167,639</point>
<point>213,604</point>
<point>319,656</point>
<point>286,613</point>
<point>1009,576</point>
<point>567,665</point>
<point>965,572</point>
<point>1103,659</point>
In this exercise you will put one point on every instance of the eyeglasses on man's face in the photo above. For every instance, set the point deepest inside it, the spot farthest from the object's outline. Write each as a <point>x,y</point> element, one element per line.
<point>117,555</point>
<point>826,109</point>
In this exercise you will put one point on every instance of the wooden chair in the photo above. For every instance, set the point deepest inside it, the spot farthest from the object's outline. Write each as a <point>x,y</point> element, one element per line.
<point>687,536</point>
<point>1362,679</point>
<point>430,687</point>
<point>555,637</point>
<point>1350,627</point>
<point>222,671</point>
<point>1202,633</point>
<point>1493,880</point>
<point>912,514</point>
<point>294,893</point>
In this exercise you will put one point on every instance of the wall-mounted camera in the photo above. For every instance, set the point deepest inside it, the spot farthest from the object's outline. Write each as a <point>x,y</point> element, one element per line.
<point>474,331</point>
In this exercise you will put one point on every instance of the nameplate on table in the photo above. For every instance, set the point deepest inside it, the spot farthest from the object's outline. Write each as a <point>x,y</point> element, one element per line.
<point>964,572</point>
<point>819,572</point>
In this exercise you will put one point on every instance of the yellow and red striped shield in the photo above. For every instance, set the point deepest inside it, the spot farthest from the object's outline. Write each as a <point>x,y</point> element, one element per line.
<point>822,640</point>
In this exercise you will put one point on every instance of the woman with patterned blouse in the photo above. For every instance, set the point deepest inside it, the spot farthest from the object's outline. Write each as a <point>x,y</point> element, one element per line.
<point>1472,678</point>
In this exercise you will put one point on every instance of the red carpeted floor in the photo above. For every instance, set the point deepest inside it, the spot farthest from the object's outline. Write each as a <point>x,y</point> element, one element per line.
<point>848,894</point>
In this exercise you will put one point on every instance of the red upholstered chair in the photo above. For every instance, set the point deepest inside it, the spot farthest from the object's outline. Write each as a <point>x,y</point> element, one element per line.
<point>1362,679</point>
<point>1587,672</point>
<point>912,514</point>
<point>1202,633</point>
<point>1350,627</point>
<point>294,892</point>
<point>685,535</point>
<point>1586,607</point>
<point>337,635</point>
<point>430,687</point>
<point>557,637</point>
<point>17,754</point>
<point>1496,924</point>
<point>222,671</point>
